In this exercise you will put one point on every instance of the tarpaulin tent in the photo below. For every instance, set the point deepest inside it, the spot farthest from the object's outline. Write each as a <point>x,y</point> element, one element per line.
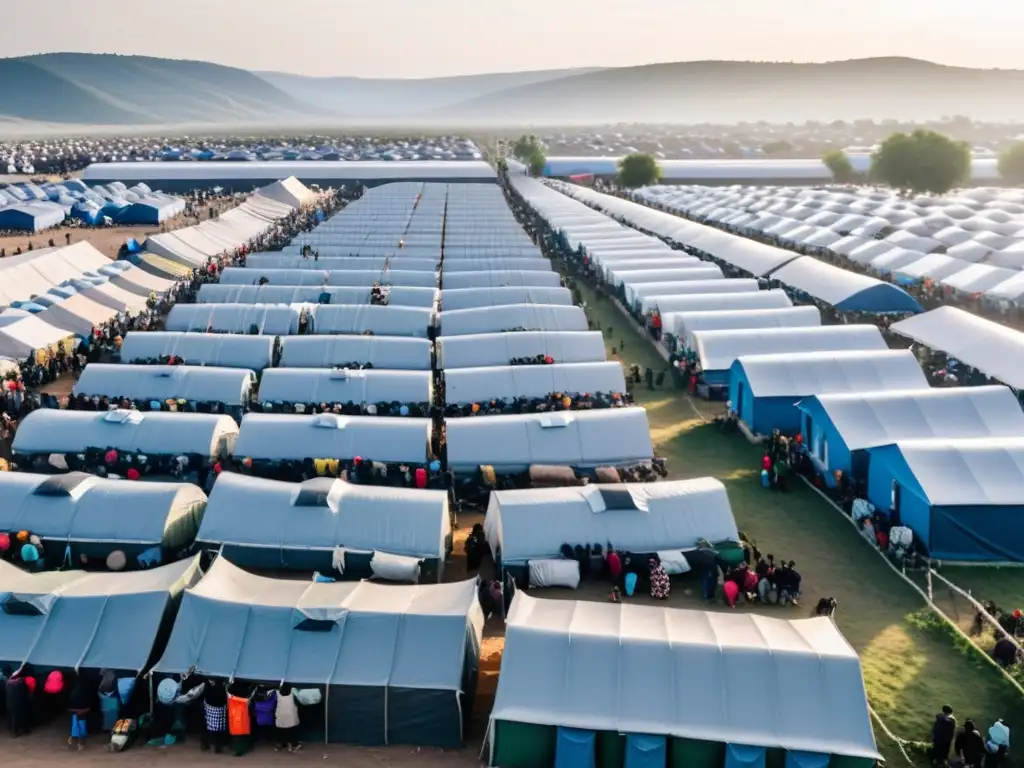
<point>361,278</point>
<point>398,296</point>
<point>277,437</point>
<point>88,621</point>
<point>476,298</point>
<point>962,497</point>
<point>838,428</point>
<point>378,320</point>
<point>384,352</point>
<point>499,349</point>
<point>47,431</point>
<point>684,325</point>
<point>200,349</point>
<point>764,389</point>
<point>341,385</point>
<point>498,279</point>
<point>534,523</point>
<point>477,385</point>
<point>265,319</point>
<point>512,317</point>
<point>78,515</point>
<point>553,647</point>
<point>396,664</point>
<point>718,302</point>
<point>844,290</point>
<point>583,439</point>
<point>21,338</point>
<point>309,526</point>
<point>375,264</point>
<point>197,384</point>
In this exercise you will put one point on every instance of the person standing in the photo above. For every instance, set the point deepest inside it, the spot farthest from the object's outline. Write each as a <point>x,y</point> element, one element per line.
<point>286,719</point>
<point>943,731</point>
<point>970,746</point>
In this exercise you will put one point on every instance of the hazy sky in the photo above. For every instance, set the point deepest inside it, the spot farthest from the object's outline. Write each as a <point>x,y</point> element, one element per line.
<point>422,38</point>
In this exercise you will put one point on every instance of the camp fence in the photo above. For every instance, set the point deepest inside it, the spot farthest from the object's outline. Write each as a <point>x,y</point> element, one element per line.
<point>199,349</point>
<point>321,524</point>
<point>551,701</point>
<point>47,431</point>
<point>395,664</point>
<point>478,385</point>
<point>384,352</point>
<point>78,515</point>
<point>278,437</point>
<point>196,384</point>
<point>80,621</point>
<point>582,439</point>
<point>534,523</point>
<point>362,387</point>
<point>499,349</point>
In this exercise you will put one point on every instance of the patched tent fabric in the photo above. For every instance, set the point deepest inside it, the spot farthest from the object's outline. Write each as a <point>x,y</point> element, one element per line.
<point>476,298</point>
<point>378,320</point>
<point>385,352</point>
<point>534,523</point>
<point>476,385</point>
<point>200,349</point>
<point>499,349</point>
<point>51,431</point>
<point>265,319</point>
<point>842,289</point>
<point>992,348</point>
<point>553,647</point>
<point>396,664</point>
<point>584,439</point>
<point>276,437</point>
<point>304,385</point>
<point>512,317</point>
<point>270,524</point>
<point>87,621</point>
<point>79,514</point>
<point>197,384</point>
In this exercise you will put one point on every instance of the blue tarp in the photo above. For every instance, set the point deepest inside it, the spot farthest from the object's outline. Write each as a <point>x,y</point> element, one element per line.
<point>643,751</point>
<point>575,748</point>
<point>796,759</point>
<point>743,756</point>
<point>844,290</point>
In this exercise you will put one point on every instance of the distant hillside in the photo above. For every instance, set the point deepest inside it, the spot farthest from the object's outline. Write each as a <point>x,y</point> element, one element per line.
<point>368,98</point>
<point>108,89</point>
<point>727,91</point>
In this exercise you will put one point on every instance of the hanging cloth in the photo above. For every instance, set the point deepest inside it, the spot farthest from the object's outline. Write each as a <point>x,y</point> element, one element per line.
<point>239,723</point>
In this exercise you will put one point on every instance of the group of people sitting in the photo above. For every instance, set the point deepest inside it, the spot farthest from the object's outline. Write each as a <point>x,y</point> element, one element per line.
<point>130,465</point>
<point>84,402</point>
<point>555,401</point>
<point>535,360</point>
<point>350,408</point>
<point>359,470</point>
<point>767,583</point>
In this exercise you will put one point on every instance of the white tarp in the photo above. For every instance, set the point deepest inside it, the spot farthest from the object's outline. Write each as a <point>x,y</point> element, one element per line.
<point>718,350</point>
<point>383,352</point>
<point>197,384</point>
<point>684,324</point>
<point>498,349</point>
<point>22,337</point>
<point>475,298</point>
<point>217,349</point>
<point>378,320</point>
<point>534,523</point>
<point>499,279</point>
<point>476,385</point>
<point>812,373</point>
<point>696,302</point>
<point>526,317</point>
<point>268,319</point>
<point>306,385</point>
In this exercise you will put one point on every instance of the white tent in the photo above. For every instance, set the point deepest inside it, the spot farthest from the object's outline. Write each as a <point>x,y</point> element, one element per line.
<point>22,337</point>
<point>555,650</point>
<point>475,298</point>
<point>534,523</point>
<point>383,352</point>
<point>267,319</point>
<point>684,324</point>
<point>195,349</point>
<point>475,385</point>
<point>813,373</point>
<point>378,320</point>
<point>398,296</point>
<point>310,385</point>
<point>500,279</point>
<point>498,349</point>
<point>290,191</point>
<point>610,436</point>
<point>198,384</point>
<point>721,301</point>
<point>512,317</point>
<point>718,350</point>
<point>78,315</point>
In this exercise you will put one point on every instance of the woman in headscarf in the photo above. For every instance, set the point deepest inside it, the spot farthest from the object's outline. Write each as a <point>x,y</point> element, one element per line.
<point>660,584</point>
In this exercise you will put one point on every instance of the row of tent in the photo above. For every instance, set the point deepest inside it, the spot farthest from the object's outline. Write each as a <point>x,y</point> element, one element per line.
<point>379,320</point>
<point>541,277</point>
<point>33,208</point>
<point>510,443</point>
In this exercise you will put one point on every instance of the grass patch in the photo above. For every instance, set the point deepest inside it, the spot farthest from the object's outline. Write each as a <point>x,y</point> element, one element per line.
<point>912,662</point>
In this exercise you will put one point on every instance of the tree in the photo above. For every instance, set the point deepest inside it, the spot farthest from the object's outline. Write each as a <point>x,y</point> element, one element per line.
<point>638,170</point>
<point>922,161</point>
<point>536,162</point>
<point>1011,163</point>
<point>840,166</point>
<point>525,147</point>
<point>781,147</point>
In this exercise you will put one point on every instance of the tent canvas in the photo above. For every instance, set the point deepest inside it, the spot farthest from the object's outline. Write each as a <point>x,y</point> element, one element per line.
<point>499,349</point>
<point>197,384</point>
<point>305,385</point>
<point>474,385</point>
<point>512,317</point>
<point>200,349</point>
<point>385,352</point>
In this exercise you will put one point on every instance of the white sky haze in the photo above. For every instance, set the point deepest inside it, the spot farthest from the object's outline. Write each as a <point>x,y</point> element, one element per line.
<point>426,38</point>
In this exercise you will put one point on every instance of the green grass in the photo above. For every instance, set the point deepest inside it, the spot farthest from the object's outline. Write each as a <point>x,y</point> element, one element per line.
<point>912,662</point>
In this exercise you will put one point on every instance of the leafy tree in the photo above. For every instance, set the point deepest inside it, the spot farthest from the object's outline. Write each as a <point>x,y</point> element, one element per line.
<point>1011,163</point>
<point>840,166</point>
<point>525,147</point>
<point>638,170</point>
<point>922,161</point>
<point>536,162</point>
<point>781,147</point>
<point>502,165</point>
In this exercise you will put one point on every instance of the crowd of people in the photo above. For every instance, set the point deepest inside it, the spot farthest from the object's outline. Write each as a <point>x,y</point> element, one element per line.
<point>968,747</point>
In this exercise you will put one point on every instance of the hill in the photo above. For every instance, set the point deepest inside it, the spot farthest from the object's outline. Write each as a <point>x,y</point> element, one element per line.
<point>105,89</point>
<point>731,91</point>
<point>357,97</point>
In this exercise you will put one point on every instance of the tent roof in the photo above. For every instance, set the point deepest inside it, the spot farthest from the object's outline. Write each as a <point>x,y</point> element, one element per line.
<point>869,419</point>
<point>994,349</point>
<point>234,624</point>
<point>556,651</point>
<point>717,350</point>
<point>306,385</point>
<point>842,289</point>
<point>530,317</point>
<point>270,319</point>
<point>290,191</point>
<point>323,513</point>
<point>384,352</point>
<point>88,620</point>
<point>689,322</point>
<point>697,302</point>
<point>983,471</point>
<point>533,523</point>
<point>809,373</point>
<point>498,349</point>
<point>474,385</point>
<point>280,436</point>
<point>196,349</point>
<point>23,336</point>
<point>81,507</point>
<point>229,386</point>
<point>577,438</point>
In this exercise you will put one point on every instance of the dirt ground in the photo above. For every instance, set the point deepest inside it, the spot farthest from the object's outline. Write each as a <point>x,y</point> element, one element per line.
<point>107,240</point>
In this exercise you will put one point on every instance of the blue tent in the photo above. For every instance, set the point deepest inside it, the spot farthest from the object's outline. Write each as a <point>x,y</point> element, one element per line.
<point>31,217</point>
<point>87,211</point>
<point>132,245</point>
<point>844,290</point>
<point>963,498</point>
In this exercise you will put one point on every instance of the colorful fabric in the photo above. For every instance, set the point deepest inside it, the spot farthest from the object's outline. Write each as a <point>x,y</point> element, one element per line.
<point>265,710</point>
<point>216,718</point>
<point>660,584</point>
<point>239,723</point>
